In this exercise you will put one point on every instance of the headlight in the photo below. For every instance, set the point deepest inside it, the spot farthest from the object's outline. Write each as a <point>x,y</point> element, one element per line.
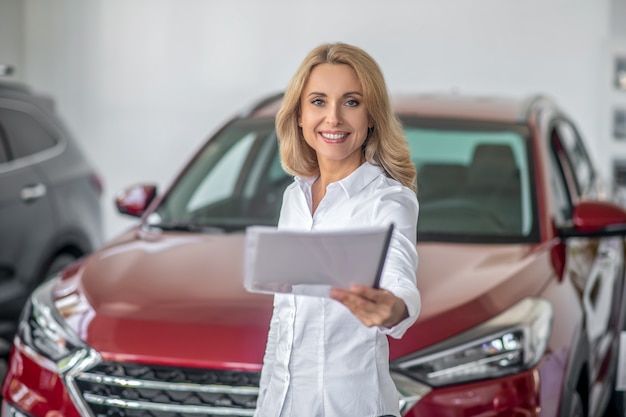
<point>41,328</point>
<point>509,343</point>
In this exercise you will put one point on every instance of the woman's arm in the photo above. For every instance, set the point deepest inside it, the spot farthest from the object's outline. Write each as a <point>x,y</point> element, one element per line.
<point>395,306</point>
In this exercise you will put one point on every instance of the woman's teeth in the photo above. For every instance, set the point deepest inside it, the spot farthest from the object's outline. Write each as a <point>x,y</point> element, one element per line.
<point>334,136</point>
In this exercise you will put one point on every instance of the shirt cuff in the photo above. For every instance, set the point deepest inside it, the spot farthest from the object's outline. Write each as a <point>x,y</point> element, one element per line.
<point>413,304</point>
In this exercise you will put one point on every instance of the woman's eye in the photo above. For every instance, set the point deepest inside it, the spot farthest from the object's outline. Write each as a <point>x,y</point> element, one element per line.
<point>352,103</point>
<point>317,102</point>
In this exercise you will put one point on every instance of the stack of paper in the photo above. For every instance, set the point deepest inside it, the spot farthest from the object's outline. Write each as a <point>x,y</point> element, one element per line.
<point>312,262</point>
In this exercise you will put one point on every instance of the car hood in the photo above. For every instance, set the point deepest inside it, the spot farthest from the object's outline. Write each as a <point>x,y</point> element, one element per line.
<point>169,297</point>
<point>179,298</point>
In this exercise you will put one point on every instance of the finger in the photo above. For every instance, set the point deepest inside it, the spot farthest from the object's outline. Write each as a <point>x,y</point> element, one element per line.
<point>360,290</point>
<point>348,298</point>
<point>368,312</point>
<point>365,299</point>
<point>374,294</point>
<point>339,294</point>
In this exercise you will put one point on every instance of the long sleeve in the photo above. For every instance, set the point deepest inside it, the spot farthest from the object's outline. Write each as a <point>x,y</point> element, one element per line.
<point>400,267</point>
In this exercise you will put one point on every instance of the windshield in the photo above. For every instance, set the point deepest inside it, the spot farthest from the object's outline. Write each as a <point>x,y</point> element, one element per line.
<point>474,182</point>
<point>235,181</point>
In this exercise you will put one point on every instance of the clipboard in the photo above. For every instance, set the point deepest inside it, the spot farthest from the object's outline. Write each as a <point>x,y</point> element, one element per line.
<point>312,262</point>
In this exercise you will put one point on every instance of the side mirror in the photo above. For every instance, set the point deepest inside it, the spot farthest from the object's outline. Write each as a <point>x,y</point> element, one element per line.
<point>134,200</point>
<point>596,219</point>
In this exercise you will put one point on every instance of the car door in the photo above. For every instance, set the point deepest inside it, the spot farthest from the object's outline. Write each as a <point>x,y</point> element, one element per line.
<point>26,222</point>
<point>595,265</point>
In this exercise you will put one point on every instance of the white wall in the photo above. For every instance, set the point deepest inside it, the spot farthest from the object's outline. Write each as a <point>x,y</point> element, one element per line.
<point>11,30</point>
<point>614,99</point>
<point>143,82</point>
<point>618,18</point>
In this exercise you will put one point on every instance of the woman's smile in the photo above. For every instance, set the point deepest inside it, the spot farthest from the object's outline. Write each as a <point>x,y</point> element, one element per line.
<point>334,137</point>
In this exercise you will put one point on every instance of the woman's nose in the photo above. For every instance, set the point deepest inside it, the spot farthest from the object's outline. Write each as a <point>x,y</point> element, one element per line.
<point>333,115</point>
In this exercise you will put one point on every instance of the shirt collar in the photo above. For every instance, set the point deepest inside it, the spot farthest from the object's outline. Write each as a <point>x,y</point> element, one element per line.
<point>351,184</point>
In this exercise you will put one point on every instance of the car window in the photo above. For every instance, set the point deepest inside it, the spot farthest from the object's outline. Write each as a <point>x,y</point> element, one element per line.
<point>576,154</point>
<point>560,194</point>
<point>472,181</point>
<point>25,134</point>
<point>220,182</point>
<point>235,181</point>
<point>4,152</point>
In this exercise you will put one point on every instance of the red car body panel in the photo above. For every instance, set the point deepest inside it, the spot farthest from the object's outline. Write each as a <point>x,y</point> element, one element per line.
<point>131,300</point>
<point>34,385</point>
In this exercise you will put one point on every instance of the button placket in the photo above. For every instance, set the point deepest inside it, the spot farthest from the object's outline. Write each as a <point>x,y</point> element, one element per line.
<point>290,333</point>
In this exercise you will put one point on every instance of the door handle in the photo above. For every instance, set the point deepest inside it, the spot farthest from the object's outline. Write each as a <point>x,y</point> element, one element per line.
<point>32,192</point>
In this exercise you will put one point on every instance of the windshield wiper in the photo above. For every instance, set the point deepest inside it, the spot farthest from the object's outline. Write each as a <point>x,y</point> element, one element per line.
<point>188,227</point>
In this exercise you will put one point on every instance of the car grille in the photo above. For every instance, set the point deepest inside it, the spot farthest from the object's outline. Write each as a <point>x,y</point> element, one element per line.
<point>137,390</point>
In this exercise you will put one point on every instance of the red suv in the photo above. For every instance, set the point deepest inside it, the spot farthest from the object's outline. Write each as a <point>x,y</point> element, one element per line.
<point>521,272</point>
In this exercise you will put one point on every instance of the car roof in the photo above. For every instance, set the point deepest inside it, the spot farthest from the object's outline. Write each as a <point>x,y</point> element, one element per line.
<point>456,106</point>
<point>14,86</point>
<point>21,91</point>
<point>438,105</point>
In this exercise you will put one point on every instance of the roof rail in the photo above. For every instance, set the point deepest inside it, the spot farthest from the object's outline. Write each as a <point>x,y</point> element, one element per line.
<point>527,105</point>
<point>6,70</point>
<point>259,104</point>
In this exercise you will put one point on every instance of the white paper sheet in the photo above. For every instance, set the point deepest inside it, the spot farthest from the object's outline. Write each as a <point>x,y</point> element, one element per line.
<point>312,262</point>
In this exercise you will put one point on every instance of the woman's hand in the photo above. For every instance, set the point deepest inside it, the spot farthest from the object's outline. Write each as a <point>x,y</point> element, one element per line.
<point>373,306</point>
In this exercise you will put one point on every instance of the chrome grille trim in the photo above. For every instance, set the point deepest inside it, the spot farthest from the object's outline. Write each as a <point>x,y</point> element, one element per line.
<point>171,386</point>
<point>126,389</point>
<point>148,406</point>
<point>83,359</point>
<point>87,369</point>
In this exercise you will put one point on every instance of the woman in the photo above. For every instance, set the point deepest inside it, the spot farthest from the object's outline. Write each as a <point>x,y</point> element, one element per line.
<point>329,357</point>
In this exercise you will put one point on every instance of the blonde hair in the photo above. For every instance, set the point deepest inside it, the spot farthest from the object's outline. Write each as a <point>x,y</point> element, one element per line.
<point>386,146</point>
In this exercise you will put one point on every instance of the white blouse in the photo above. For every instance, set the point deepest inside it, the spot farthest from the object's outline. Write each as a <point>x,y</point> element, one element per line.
<point>320,360</point>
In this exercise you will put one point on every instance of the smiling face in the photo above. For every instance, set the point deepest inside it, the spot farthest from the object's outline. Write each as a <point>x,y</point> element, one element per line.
<point>333,118</point>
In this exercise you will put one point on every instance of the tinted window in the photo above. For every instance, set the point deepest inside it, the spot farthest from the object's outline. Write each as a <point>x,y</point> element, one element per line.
<point>25,134</point>
<point>563,203</point>
<point>235,181</point>
<point>473,181</point>
<point>4,153</point>
<point>220,182</point>
<point>576,155</point>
